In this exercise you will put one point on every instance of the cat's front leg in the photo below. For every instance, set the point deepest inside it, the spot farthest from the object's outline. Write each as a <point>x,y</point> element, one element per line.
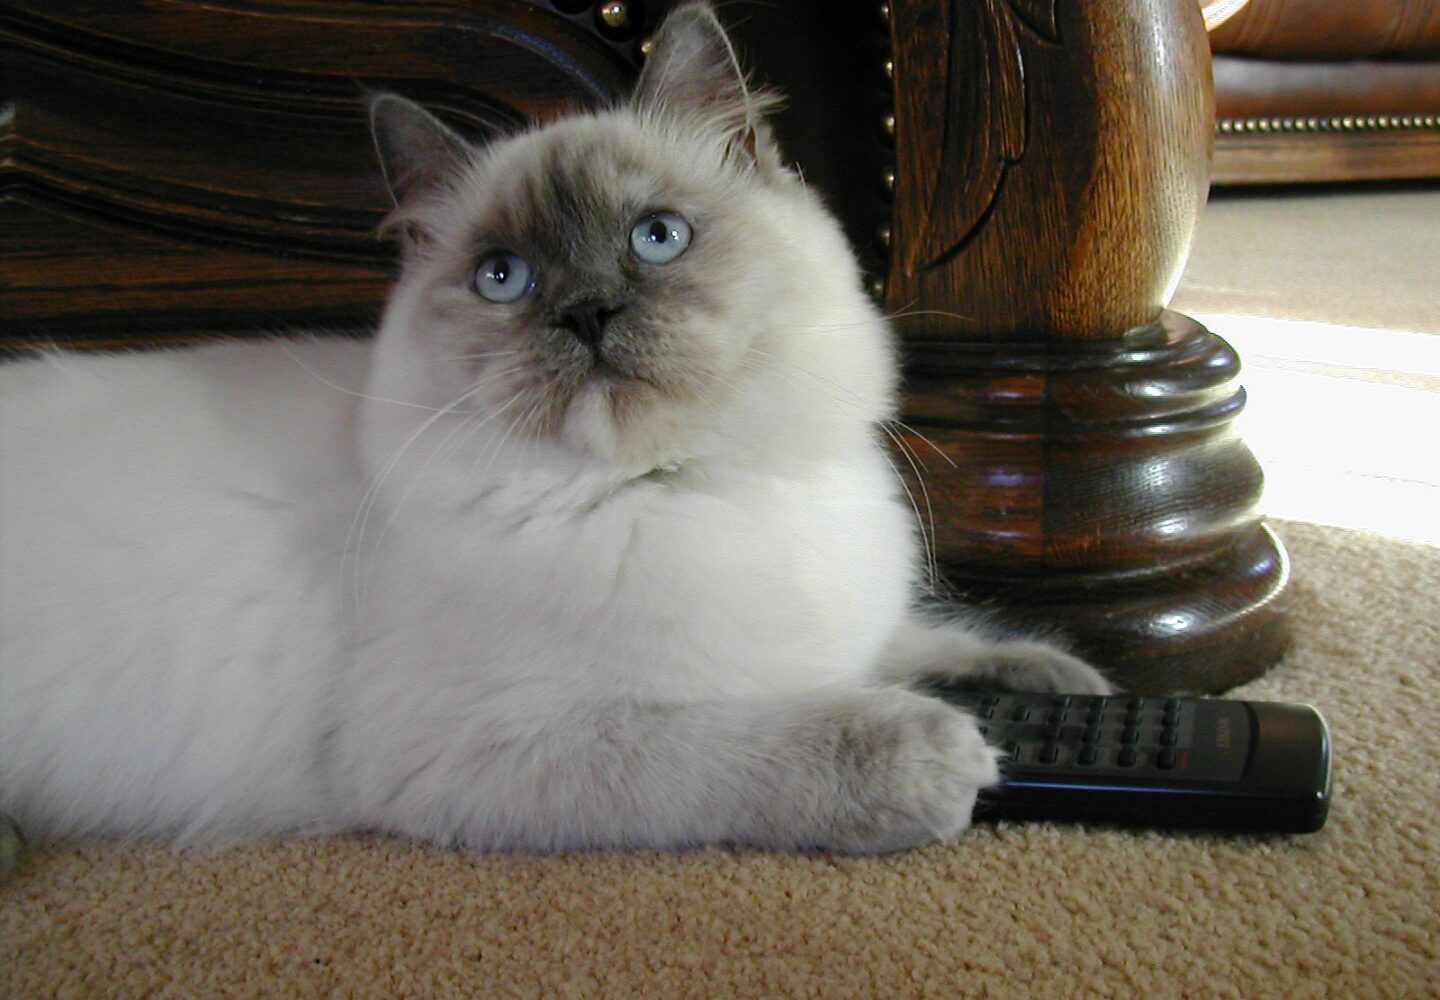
<point>921,653</point>
<point>877,771</point>
<point>857,770</point>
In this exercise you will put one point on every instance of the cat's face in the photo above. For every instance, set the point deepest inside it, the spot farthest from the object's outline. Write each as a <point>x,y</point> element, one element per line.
<point>629,282</point>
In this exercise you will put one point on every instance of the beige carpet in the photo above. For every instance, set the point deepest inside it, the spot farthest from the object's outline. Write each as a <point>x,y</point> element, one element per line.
<point>1019,911</point>
<point>1350,256</point>
<point>1333,300</point>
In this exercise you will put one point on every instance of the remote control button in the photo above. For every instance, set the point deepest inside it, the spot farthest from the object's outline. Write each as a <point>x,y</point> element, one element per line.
<point>1088,755</point>
<point>1049,753</point>
<point>1052,733</point>
<point>1130,735</point>
<point>1172,706</point>
<point>1166,759</point>
<point>1132,718</point>
<point>1011,750</point>
<point>1021,713</point>
<point>1090,735</point>
<point>1168,737</point>
<point>1136,705</point>
<point>987,711</point>
<point>1127,757</point>
<point>1057,714</point>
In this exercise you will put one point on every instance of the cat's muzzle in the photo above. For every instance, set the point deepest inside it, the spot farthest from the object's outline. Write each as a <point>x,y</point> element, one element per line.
<point>587,319</point>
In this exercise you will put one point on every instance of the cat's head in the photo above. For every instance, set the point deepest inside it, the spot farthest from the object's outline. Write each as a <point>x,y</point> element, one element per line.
<point>644,284</point>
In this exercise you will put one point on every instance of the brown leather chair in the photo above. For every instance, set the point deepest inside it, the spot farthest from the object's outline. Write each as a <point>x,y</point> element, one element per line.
<point>1328,90</point>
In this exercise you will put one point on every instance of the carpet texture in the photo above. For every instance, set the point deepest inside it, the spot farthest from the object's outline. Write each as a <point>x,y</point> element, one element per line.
<point>1353,256</point>
<point>1007,911</point>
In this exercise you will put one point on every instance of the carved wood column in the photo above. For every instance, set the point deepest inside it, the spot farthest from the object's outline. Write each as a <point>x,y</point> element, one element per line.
<point>1051,162</point>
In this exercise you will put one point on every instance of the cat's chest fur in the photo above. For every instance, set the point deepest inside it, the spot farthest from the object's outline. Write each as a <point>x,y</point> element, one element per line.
<point>683,583</point>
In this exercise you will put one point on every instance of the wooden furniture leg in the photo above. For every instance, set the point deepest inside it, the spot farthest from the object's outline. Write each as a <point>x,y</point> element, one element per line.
<point>1051,162</point>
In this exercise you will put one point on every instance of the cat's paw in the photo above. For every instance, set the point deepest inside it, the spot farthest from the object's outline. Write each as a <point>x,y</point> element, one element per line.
<point>1028,665</point>
<point>956,656</point>
<point>910,770</point>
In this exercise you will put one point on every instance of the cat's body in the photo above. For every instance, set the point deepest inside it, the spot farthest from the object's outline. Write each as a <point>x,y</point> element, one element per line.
<point>610,555</point>
<point>169,529</point>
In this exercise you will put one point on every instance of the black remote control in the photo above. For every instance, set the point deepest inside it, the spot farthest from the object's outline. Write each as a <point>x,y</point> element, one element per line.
<point>1163,762</point>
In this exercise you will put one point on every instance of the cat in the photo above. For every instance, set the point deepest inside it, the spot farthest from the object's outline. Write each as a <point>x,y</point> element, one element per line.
<point>596,545</point>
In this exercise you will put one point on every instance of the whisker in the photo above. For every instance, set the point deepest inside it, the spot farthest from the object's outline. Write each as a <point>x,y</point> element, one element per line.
<point>351,392</point>
<point>930,569</point>
<point>925,521</point>
<point>354,538</point>
<point>531,414</point>
<point>870,321</point>
<point>499,446</point>
<point>895,421</point>
<point>927,538</point>
<point>854,398</point>
<point>907,313</point>
<point>467,357</point>
<point>419,473</point>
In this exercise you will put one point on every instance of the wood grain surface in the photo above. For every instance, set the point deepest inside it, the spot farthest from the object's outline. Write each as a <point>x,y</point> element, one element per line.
<point>1052,163</point>
<point>163,165</point>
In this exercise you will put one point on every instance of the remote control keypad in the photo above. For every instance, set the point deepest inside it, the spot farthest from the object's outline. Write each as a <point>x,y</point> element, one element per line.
<point>1119,735</point>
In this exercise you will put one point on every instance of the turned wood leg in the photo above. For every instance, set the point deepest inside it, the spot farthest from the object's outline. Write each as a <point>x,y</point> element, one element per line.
<point>1052,160</point>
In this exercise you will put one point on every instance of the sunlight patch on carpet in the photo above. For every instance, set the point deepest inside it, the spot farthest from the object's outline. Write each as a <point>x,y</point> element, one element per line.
<point>1344,420</point>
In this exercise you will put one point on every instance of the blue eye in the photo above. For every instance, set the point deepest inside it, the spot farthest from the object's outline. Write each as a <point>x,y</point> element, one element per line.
<point>504,277</point>
<point>659,237</point>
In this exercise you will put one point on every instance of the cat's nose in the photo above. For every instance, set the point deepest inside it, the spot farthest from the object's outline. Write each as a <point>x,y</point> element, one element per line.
<point>587,318</point>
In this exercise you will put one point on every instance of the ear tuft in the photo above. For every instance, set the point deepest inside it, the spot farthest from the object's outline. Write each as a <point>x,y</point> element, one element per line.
<point>418,152</point>
<point>693,74</point>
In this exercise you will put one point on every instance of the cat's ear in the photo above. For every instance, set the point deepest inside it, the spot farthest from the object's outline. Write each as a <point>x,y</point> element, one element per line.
<point>418,151</point>
<point>692,74</point>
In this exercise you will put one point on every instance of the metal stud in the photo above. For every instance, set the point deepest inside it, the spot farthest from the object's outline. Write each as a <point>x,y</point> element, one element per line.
<point>618,20</point>
<point>889,123</point>
<point>882,232</point>
<point>615,13</point>
<point>887,179</point>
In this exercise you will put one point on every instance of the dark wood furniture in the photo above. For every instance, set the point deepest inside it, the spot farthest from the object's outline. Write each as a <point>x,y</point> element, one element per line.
<point>1021,178</point>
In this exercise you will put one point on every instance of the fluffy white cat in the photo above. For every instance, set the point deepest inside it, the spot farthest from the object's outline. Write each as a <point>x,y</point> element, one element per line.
<point>597,544</point>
